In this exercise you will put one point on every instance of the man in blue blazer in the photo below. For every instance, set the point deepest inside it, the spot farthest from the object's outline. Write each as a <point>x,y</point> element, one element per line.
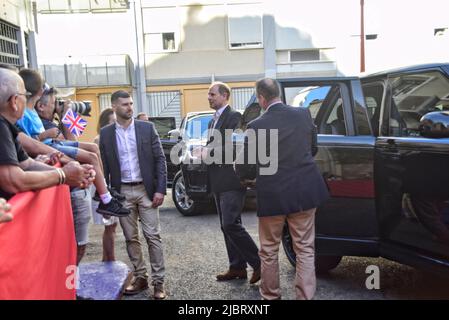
<point>135,165</point>
<point>229,194</point>
<point>291,192</point>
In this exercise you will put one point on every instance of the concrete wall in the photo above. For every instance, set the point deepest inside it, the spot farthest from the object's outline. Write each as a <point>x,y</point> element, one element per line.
<point>204,50</point>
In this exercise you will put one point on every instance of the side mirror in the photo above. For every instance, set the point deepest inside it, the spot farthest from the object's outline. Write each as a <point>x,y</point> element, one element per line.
<point>435,125</point>
<point>175,134</point>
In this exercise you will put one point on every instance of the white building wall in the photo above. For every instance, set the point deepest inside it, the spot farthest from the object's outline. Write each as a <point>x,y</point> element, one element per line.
<point>405,31</point>
<point>203,50</point>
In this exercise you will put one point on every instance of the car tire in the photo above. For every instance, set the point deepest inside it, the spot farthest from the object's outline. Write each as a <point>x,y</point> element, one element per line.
<point>323,264</point>
<point>183,203</point>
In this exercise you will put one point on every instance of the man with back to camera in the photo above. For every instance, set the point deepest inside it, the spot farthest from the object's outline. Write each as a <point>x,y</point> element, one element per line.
<point>135,165</point>
<point>229,194</point>
<point>291,193</point>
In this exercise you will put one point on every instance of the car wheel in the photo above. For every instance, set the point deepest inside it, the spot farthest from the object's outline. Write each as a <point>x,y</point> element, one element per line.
<point>182,201</point>
<point>323,264</point>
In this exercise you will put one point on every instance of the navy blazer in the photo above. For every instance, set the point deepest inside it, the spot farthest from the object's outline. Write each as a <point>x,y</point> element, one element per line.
<point>152,161</point>
<point>222,176</point>
<point>297,185</point>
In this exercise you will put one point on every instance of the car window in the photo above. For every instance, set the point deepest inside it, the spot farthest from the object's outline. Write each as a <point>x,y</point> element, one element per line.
<point>164,125</point>
<point>373,92</point>
<point>324,103</point>
<point>311,97</point>
<point>196,126</point>
<point>414,95</point>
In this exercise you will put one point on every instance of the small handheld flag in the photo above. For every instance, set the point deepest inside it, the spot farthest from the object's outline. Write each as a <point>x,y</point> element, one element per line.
<point>74,122</point>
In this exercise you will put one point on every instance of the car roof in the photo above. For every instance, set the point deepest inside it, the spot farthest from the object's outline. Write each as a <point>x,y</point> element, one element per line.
<point>317,79</point>
<point>194,113</point>
<point>412,68</point>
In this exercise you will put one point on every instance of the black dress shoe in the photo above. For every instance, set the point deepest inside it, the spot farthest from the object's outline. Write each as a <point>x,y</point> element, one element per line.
<point>232,274</point>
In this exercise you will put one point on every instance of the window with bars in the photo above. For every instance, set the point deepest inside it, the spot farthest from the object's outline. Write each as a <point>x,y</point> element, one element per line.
<point>9,44</point>
<point>104,100</point>
<point>240,97</point>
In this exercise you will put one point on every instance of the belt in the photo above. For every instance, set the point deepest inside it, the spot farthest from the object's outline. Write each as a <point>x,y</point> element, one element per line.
<point>132,183</point>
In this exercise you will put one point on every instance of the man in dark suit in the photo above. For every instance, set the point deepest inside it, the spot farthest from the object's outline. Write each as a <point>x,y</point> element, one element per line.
<point>290,193</point>
<point>229,194</point>
<point>134,163</point>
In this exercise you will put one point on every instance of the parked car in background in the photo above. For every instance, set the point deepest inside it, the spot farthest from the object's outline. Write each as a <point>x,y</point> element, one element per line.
<point>384,154</point>
<point>190,186</point>
<point>165,125</point>
<point>192,132</point>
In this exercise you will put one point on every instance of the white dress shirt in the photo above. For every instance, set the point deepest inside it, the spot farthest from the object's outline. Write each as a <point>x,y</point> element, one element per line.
<point>127,153</point>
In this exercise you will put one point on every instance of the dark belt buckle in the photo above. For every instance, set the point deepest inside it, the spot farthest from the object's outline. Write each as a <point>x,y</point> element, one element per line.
<point>132,183</point>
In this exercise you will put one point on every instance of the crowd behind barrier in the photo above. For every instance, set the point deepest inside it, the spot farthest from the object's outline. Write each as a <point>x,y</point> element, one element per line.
<point>38,247</point>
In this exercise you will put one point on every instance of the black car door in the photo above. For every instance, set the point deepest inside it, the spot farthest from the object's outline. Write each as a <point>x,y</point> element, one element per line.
<point>345,159</point>
<point>412,171</point>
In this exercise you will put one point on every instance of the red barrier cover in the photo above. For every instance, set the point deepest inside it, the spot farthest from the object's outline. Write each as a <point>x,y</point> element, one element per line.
<point>38,248</point>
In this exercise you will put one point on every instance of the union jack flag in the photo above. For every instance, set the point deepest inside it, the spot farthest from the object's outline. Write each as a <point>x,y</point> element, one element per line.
<point>74,122</point>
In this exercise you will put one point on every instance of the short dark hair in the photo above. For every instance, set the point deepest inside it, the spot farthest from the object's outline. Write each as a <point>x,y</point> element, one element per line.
<point>119,94</point>
<point>32,79</point>
<point>223,88</point>
<point>268,88</point>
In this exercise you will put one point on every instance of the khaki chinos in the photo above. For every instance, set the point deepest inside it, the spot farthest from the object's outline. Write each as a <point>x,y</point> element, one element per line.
<point>140,205</point>
<point>302,231</point>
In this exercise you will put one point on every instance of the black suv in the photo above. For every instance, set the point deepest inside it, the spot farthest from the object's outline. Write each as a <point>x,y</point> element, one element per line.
<point>384,154</point>
<point>192,132</point>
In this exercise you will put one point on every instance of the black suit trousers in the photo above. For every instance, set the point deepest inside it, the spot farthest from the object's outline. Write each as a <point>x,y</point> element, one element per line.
<point>240,247</point>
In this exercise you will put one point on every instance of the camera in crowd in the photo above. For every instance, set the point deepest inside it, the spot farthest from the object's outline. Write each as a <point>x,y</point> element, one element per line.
<point>80,107</point>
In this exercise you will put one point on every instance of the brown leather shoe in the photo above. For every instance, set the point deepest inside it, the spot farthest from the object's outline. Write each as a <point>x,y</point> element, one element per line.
<point>159,292</point>
<point>255,277</point>
<point>232,274</point>
<point>136,286</point>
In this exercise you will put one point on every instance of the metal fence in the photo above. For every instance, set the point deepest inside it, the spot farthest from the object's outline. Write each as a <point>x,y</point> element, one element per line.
<point>90,72</point>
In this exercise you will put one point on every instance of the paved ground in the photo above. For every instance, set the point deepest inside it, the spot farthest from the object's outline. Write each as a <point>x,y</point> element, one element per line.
<point>195,252</point>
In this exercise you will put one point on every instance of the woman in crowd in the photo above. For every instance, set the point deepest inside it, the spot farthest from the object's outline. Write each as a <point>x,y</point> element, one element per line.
<point>110,225</point>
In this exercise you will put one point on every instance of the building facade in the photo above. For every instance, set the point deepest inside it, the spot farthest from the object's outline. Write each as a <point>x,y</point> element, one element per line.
<point>17,33</point>
<point>181,46</point>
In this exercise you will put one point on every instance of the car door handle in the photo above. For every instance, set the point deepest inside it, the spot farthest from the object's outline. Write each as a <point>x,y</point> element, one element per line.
<point>391,142</point>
